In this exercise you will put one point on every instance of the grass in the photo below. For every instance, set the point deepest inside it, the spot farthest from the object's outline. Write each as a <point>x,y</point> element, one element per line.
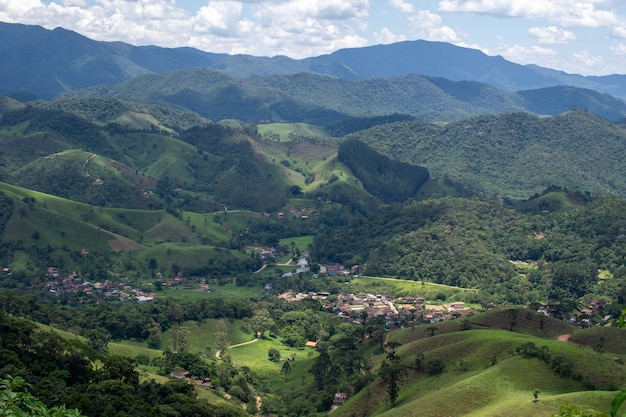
<point>282,130</point>
<point>254,355</point>
<point>227,290</point>
<point>484,378</point>
<point>131,349</point>
<point>302,243</point>
<point>404,287</point>
<point>202,335</point>
<point>607,339</point>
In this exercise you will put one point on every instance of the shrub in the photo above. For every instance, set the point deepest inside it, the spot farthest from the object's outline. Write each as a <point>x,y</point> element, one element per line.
<point>435,366</point>
<point>274,354</point>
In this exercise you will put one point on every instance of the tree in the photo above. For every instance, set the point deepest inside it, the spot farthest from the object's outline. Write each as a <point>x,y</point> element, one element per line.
<point>261,321</point>
<point>98,340</point>
<point>221,337</point>
<point>435,366</point>
<point>286,369</point>
<point>154,334</point>
<point>15,400</point>
<point>419,360</point>
<point>431,330</point>
<point>180,338</point>
<point>512,315</point>
<point>392,373</point>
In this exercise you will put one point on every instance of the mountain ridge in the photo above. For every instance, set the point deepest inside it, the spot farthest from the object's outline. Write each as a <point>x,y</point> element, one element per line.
<point>45,63</point>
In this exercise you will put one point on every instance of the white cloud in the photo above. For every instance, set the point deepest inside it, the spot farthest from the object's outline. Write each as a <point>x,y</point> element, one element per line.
<point>502,8</point>
<point>429,26</point>
<point>77,3</point>
<point>567,13</point>
<point>551,35</point>
<point>220,18</point>
<point>619,32</point>
<point>585,62</point>
<point>619,49</point>
<point>523,54</point>
<point>402,5</point>
<point>385,36</point>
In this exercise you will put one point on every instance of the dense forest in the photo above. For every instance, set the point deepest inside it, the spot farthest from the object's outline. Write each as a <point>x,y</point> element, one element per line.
<point>472,243</point>
<point>511,155</point>
<point>389,180</point>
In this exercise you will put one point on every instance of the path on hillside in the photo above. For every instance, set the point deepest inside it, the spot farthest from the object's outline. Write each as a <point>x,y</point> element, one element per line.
<point>87,162</point>
<point>217,354</point>
<point>266,265</point>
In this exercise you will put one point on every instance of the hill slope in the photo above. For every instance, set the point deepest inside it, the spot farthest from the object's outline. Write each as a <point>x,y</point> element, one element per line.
<point>324,100</point>
<point>512,155</point>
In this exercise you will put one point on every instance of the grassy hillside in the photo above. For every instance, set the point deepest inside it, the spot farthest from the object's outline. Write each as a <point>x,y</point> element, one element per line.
<point>89,156</point>
<point>486,376</point>
<point>52,231</point>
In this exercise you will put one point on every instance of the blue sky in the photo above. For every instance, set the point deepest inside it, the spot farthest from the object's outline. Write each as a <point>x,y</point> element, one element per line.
<point>584,37</point>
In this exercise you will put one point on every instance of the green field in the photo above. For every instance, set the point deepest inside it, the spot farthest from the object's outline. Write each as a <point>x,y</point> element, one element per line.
<point>401,287</point>
<point>282,130</point>
<point>302,243</point>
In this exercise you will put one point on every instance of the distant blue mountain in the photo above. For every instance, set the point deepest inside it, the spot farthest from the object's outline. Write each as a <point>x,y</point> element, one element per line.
<point>45,63</point>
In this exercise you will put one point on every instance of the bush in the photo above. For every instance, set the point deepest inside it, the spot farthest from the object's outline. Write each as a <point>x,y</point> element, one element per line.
<point>274,354</point>
<point>435,366</point>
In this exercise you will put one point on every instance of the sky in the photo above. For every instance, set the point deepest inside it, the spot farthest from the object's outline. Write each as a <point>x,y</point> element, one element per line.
<point>582,37</point>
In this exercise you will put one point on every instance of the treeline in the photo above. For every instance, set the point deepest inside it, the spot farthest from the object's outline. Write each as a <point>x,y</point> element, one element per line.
<point>78,131</point>
<point>122,320</point>
<point>390,180</point>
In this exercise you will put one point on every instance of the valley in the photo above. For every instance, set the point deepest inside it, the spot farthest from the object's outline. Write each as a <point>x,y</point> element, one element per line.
<point>211,241</point>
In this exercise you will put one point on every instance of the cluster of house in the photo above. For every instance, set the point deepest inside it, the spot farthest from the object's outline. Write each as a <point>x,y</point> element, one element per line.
<point>58,283</point>
<point>357,308</point>
<point>588,315</point>
<point>206,382</point>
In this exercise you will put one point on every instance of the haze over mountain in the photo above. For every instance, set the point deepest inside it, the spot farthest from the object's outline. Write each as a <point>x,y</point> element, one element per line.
<point>321,100</point>
<point>45,63</point>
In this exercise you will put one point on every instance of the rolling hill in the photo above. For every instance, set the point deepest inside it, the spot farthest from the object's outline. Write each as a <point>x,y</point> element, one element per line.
<point>324,100</point>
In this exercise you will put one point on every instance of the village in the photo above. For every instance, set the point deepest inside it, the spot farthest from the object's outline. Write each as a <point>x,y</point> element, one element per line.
<point>360,308</point>
<point>353,308</point>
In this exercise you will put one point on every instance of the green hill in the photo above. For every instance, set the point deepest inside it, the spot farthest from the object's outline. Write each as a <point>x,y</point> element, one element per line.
<point>42,230</point>
<point>486,373</point>
<point>511,156</point>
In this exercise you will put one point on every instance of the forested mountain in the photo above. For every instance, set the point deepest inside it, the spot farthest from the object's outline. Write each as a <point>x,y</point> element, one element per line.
<point>66,61</point>
<point>324,100</point>
<point>512,155</point>
<point>40,63</point>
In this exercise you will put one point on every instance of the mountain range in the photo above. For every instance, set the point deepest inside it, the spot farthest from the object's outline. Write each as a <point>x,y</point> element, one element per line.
<point>42,63</point>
